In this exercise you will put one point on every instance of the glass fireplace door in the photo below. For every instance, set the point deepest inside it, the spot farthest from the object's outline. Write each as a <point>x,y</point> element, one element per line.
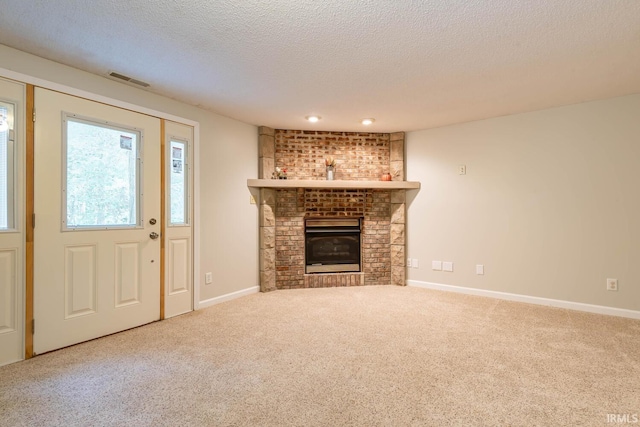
<point>332,245</point>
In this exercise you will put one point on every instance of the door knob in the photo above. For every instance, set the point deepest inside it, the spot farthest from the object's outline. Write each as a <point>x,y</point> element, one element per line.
<point>154,235</point>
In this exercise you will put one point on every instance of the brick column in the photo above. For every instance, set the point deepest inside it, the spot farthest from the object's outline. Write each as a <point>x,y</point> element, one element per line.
<point>266,166</point>
<point>398,269</point>
<point>376,252</point>
<point>267,240</point>
<point>266,152</point>
<point>396,156</point>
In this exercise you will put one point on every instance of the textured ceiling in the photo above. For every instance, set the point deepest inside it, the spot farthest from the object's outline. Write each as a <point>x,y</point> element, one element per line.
<point>410,64</point>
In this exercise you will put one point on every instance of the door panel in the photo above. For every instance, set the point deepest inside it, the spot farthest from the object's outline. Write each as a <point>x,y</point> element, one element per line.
<point>127,274</point>
<point>80,281</point>
<point>8,291</point>
<point>178,230</point>
<point>91,281</point>
<point>12,161</point>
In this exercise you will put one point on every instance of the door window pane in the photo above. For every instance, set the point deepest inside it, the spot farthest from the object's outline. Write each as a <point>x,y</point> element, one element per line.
<point>6,166</point>
<point>178,183</point>
<point>102,175</point>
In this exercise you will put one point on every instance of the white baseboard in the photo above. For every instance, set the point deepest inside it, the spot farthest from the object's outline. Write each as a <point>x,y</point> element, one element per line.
<point>228,297</point>
<point>590,308</point>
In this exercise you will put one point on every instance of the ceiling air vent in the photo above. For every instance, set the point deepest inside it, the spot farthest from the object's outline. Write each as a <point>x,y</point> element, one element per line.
<point>129,79</point>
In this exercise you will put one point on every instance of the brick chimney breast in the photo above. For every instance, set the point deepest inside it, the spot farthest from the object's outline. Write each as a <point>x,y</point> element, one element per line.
<point>358,156</point>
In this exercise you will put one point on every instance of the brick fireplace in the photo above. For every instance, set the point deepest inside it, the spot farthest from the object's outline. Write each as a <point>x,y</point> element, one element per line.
<point>362,157</point>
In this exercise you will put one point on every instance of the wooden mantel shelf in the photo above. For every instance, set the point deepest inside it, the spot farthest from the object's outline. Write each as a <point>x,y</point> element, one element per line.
<point>337,184</point>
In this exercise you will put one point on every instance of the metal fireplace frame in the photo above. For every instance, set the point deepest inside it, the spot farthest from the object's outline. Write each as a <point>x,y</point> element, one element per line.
<point>328,227</point>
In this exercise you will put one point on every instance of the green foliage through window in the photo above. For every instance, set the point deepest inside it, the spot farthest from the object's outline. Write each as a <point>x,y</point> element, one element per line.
<point>102,171</point>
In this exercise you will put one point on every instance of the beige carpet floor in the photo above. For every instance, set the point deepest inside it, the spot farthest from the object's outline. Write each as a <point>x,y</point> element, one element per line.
<point>364,356</point>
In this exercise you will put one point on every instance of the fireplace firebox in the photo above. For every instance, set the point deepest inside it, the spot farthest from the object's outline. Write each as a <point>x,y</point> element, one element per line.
<point>332,245</point>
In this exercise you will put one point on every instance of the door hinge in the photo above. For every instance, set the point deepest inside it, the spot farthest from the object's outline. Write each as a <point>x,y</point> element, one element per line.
<point>33,326</point>
<point>34,114</point>
<point>33,220</point>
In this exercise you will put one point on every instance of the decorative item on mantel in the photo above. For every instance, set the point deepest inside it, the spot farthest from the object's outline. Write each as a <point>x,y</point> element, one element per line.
<point>330,163</point>
<point>396,173</point>
<point>389,176</point>
<point>279,173</point>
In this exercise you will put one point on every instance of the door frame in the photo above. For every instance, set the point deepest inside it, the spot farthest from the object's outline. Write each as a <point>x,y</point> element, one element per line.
<point>46,84</point>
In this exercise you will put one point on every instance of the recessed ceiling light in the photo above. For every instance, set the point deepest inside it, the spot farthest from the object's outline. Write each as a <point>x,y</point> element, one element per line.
<point>367,122</point>
<point>313,119</point>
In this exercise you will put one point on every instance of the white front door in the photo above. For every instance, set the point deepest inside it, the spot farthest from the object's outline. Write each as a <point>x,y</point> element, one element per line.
<point>178,231</point>
<point>97,216</point>
<point>12,149</point>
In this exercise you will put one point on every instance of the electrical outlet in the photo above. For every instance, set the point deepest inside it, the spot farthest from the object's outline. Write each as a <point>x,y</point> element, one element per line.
<point>252,199</point>
<point>479,269</point>
<point>208,278</point>
<point>447,266</point>
<point>409,262</point>
<point>436,265</point>
<point>462,170</point>
<point>612,284</point>
<point>415,263</point>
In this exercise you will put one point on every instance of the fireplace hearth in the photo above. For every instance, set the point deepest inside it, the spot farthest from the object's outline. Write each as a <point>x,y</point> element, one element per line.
<point>332,245</point>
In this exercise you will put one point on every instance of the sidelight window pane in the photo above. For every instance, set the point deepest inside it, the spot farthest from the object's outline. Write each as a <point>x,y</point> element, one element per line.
<point>178,183</point>
<point>6,166</point>
<point>102,187</point>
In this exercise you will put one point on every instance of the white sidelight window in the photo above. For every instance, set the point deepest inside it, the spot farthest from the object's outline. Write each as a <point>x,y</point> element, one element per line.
<point>178,183</point>
<point>7,165</point>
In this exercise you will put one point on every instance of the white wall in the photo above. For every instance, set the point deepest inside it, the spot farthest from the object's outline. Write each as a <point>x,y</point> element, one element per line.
<point>228,156</point>
<point>550,204</point>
